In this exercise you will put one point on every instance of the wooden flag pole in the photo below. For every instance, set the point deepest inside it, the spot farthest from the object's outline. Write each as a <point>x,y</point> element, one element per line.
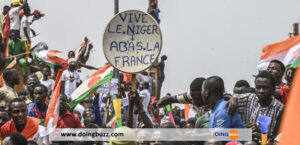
<point>106,113</point>
<point>296,29</point>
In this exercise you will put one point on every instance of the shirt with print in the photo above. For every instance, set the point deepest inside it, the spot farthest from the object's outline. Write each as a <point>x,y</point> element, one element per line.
<point>250,110</point>
<point>37,112</point>
<point>14,17</point>
<point>221,119</point>
<point>48,83</point>
<point>71,79</point>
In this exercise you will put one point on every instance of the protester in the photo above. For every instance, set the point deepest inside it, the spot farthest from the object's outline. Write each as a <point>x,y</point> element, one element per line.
<point>262,103</point>
<point>284,90</point>
<point>45,80</point>
<point>70,79</point>
<point>14,16</point>
<point>161,74</point>
<point>7,92</point>
<point>191,97</point>
<point>71,54</point>
<point>4,117</point>
<point>39,108</point>
<point>66,118</point>
<point>2,19</point>
<point>277,68</point>
<point>145,97</point>
<point>17,47</point>
<point>212,94</point>
<point>154,12</point>
<point>20,122</point>
<point>25,28</point>
<point>240,86</point>
<point>30,84</point>
<point>144,77</point>
<point>15,139</point>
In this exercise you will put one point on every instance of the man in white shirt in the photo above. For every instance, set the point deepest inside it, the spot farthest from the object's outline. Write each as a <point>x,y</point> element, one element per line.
<point>25,27</point>
<point>14,15</point>
<point>145,97</point>
<point>70,79</point>
<point>49,83</point>
<point>144,77</point>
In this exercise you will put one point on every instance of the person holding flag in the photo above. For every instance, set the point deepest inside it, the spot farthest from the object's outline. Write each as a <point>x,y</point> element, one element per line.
<point>70,79</point>
<point>17,47</point>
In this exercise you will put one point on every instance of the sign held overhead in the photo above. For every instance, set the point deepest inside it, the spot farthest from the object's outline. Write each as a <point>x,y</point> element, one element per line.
<point>132,41</point>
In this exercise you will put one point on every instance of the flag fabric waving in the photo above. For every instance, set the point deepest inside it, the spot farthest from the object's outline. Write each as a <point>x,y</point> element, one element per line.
<point>49,56</point>
<point>290,123</point>
<point>287,51</point>
<point>78,50</point>
<point>100,77</point>
<point>53,109</point>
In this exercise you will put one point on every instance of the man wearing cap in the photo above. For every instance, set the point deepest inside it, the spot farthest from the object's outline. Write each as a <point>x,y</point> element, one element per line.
<point>70,79</point>
<point>14,16</point>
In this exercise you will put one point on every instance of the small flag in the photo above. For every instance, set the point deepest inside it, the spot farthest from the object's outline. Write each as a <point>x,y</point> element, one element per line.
<point>11,65</point>
<point>78,50</point>
<point>287,51</point>
<point>112,122</point>
<point>49,56</point>
<point>100,77</point>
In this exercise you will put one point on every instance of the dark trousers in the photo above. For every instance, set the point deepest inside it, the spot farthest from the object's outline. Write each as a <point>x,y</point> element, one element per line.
<point>159,85</point>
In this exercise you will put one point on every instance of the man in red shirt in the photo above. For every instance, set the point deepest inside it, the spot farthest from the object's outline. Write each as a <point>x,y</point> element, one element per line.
<point>66,118</point>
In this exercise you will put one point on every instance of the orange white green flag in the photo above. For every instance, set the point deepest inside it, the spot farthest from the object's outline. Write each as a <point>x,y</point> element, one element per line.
<point>287,51</point>
<point>79,49</point>
<point>289,127</point>
<point>53,109</point>
<point>100,77</point>
<point>49,56</point>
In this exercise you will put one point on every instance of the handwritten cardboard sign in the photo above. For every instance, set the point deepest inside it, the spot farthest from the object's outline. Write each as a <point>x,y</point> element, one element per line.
<point>132,41</point>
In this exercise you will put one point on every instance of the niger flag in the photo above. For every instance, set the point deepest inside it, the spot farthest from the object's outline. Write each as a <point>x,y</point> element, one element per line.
<point>290,125</point>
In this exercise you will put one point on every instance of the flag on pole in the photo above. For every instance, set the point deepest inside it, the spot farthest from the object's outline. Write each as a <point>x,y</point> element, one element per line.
<point>53,109</point>
<point>290,123</point>
<point>49,56</point>
<point>287,51</point>
<point>100,77</point>
<point>78,50</point>
<point>117,107</point>
<point>11,65</point>
<point>112,122</point>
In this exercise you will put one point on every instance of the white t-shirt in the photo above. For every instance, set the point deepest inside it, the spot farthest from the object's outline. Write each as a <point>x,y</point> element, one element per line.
<point>146,95</point>
<point>49,83</point>
<point>14,18</point>
<point>71,79</point>
<point>24,24</point>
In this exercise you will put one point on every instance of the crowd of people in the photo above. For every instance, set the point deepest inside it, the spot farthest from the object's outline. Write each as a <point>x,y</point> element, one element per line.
<point>21,112</point>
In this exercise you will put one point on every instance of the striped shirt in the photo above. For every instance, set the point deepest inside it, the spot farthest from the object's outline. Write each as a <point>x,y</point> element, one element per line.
<point>250,110</point>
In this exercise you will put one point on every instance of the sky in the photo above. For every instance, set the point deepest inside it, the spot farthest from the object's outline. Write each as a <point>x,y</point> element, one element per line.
<point>201,38</point>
